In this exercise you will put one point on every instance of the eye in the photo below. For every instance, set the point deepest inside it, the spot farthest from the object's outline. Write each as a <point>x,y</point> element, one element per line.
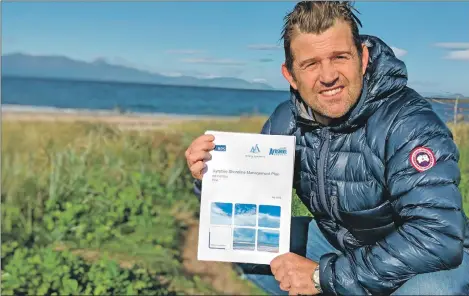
<point>309,65</point>
<point>341,57</point>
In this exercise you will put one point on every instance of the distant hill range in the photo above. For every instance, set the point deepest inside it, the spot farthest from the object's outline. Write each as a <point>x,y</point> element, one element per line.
<point>443,95</point>
<point>60,67</point>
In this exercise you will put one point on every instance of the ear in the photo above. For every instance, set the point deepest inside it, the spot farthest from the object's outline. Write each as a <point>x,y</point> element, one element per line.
<point>288,76</point>
<point>365,58</point>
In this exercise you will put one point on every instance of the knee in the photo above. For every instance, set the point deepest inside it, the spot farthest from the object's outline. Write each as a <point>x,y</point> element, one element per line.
<point>318,244</point>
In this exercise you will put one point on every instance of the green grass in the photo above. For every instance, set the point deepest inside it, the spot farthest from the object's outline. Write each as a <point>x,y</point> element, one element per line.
<point>92,187</point>
<point>92,191</point>
<point>461,136</point>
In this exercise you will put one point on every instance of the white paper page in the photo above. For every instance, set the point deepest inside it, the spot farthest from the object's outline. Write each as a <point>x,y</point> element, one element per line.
<point>245,208</point>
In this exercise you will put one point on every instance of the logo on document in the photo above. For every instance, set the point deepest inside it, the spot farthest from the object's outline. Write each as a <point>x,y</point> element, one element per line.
<point>255,152</point>
<point>278,151</point>
<point>220,148</point>
<point>255,149</point>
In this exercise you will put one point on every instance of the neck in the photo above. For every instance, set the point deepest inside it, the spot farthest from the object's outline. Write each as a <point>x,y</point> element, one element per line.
<point>321,118</point>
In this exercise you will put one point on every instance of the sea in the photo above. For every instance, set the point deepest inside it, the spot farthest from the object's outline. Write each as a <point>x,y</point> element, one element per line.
<point>244,246</point>
<point>140,98</point>
<point>268,248</point>
<point>52,94</point>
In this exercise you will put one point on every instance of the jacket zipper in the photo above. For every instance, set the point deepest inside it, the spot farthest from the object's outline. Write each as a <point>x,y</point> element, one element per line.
<point>322,163</point>
<point>334,208</point>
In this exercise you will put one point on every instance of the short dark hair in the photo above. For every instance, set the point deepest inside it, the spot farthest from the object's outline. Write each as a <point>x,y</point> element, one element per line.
<point>316,17</point>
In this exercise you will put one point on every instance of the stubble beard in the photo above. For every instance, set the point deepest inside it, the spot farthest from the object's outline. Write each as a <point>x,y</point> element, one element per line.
<point>346,102</point>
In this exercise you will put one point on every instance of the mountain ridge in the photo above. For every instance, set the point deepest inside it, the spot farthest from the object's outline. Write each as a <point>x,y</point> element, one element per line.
<point>63,67</point>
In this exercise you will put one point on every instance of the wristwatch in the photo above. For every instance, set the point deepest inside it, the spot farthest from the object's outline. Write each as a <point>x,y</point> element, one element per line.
<point>315,279</point>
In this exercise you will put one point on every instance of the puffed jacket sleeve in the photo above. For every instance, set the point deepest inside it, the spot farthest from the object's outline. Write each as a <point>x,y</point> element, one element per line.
<point>422,177</point>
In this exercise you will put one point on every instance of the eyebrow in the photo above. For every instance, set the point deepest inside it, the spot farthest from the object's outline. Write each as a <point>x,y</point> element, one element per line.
<point>334,53</point>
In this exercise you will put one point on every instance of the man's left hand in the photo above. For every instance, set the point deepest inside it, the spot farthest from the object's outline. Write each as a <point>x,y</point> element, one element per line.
<point>293,272</point>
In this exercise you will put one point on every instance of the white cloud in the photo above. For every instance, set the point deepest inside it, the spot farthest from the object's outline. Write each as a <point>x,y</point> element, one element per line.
<point>264,46</point>
<point>259,80</point>
<point>457,50</point>
<point>245,216</point>
<point>399,52</point>
<point>268,237</point>
<point>184,51</point>
<point>219,216</point>
<point>245,219</point>
<point>172,74</point>
<point>458,55</point>
<point>244,235</point>
<point>423,83</point>
<point>208,76</point>
<point>453,45</point>
<point>266,220</point>
<point>211,61</point>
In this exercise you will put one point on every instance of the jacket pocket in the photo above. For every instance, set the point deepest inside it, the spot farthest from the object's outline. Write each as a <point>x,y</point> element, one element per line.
<point>372,235</point>
<point>370,218</point>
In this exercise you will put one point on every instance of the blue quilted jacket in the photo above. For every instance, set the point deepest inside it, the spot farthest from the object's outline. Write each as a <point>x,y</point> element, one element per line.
<point>382,183</point>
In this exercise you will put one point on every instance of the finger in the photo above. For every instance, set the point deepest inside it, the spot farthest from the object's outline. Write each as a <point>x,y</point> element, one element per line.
<point>202,146</point>
<point>285,286</point>
<point>296,281</point>
<point>199,156</point>
<point>293,291</point>
<point>203,139</point>
<point>197,169</point>
<point>299,291</point>
<point>299,285</point>
<point>198,142</point>
<point>207,137</point>
<point>279,274</point>
<point>276,263</point>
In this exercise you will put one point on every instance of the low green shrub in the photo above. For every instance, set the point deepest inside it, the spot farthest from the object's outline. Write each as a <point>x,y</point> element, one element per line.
<point>42,271</point>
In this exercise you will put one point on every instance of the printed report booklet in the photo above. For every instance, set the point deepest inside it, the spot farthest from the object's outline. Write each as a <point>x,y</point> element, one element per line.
<point>245,207</point>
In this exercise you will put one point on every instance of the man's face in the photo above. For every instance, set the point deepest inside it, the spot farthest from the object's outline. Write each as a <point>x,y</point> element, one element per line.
<point>327,71</point>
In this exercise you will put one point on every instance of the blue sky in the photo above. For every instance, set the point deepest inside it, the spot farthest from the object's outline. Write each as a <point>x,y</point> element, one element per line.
<point>236,39</point>
<point>221,213</point>
<point>269,216</point>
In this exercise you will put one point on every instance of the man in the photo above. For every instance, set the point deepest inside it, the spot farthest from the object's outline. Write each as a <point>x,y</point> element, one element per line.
<point>374,164</point>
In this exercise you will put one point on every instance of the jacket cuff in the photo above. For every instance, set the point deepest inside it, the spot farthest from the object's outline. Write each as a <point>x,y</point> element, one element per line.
<point>326,274</point>
<point>198,188</point>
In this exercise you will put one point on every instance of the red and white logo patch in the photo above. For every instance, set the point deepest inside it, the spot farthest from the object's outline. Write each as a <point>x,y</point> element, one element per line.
<point>422,159</point>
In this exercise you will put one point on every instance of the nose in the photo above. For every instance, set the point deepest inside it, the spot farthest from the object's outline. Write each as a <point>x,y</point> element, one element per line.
<point>329,74</point>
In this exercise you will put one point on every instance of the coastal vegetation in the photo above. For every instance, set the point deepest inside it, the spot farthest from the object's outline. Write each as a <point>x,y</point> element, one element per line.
<point>88,208</point>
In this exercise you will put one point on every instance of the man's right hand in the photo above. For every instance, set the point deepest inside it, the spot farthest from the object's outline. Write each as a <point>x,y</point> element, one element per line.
<point>198,153</point>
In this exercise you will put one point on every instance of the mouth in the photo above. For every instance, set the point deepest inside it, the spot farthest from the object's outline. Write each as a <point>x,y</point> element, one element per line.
<point>332,91</point>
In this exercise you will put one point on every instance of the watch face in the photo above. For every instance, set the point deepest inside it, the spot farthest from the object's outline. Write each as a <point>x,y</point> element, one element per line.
<point>316,276</point>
